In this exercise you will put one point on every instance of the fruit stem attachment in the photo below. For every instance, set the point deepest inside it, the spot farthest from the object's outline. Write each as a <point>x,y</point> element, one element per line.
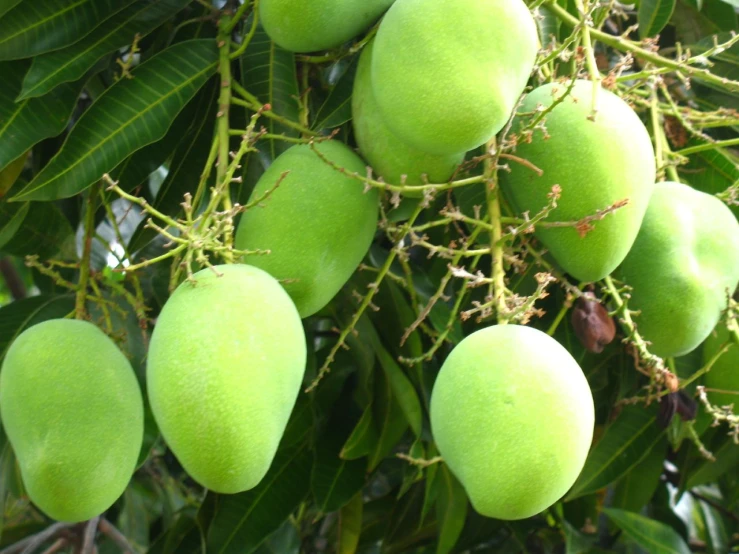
<point>492,193</point>
<point>79,304</point>
<point>589,55</point>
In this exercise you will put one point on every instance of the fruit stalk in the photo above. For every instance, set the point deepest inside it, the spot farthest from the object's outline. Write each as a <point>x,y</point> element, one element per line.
<point>224,101</point>
<point>589,54</point>
<point>79,305</point>
<point>497,286</point>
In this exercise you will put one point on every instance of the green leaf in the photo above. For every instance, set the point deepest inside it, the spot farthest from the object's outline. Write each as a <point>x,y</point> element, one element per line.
<point>44,230</point>
<point>451,508</point>
<point>350,525</point>
<point>633,490</point>
<point>10,225</point>
<point>363,438</point>
<point>402,388</point>
<point>713,523</point>
<point>334,481</point>
<point>7,5</point>
<point>183,537</point>
<point>625,443</point>
<point>10,174</point>
<point>337,108</point>
<point>575,541</point>
<point>18,316</point>
<point>653,536</point>
<point>389,418</point>
<point>653,16</point>
<point>285,540</point>
<point>43,25</point>
<point>268,72</point>
<point>242,521</point>
<point>187,163</point>
<point>23,124</point>
<point>727,458</point>
<point>129,115</point>
<point>71,63</point>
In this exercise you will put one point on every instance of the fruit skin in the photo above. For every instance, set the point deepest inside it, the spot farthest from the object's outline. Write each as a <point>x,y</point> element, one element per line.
<point>724,374</point>
<point>226,361</point>
<point>74,415</point>
<point>448,88</point>
<point>318,224</point>
<point>596,163</point>
<point>307,26</point>
<point>682,262</point>
<point>512,416</point>
<point>389,156</point>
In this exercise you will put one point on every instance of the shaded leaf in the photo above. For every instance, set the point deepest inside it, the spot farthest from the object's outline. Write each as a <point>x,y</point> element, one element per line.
<point>389,419</point>
<point>285,540</point>
<point>626,442</point>
<point>183,537</point>
<point>451,508</point>
<point>15,215</point>
<point>268,72</point>
<point>575,541</point>
<point>10,174</point>
<point>727,458</point>
<point>402,388</point>
<point>18,316</point>
<point>43,25</point>
<point>633,490</point>
<point>242,521</point>
<point>350,525</point>
<point>7,5</point>
<point>130,114</point>
<point>337,108</point>
<point>653,15</point>
<point>25,123</point>
<point>363,438</point>
<point>652,535</point>
<point>44,230</point>
<point>69,64</point>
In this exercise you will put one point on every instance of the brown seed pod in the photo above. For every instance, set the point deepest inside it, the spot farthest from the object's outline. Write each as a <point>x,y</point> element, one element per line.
<point>592,324</point>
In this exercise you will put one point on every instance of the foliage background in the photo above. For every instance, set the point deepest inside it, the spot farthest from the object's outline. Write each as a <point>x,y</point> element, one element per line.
<point>130,88</point>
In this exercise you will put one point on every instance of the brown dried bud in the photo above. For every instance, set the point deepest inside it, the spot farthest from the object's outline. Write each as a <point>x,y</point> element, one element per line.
<point>592,324</point>
<point>672,382</point>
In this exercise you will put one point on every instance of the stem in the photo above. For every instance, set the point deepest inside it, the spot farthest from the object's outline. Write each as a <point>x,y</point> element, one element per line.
<point>224,101</point>
<point>497,286</point>
<point>88,540</point>
<point>707,146</point>
<point>250,35</point>
<point>12,279</point>
<point>658,137</point>
<point>29,544</point>
<point>589,56</point>
<point>79,306</point>
<point>109,530</point>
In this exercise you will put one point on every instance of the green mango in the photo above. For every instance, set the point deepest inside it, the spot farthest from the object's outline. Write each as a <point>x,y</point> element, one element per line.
<point>226,360</point>
<point>318,224</point>
<point>683,261</point>
<point>512,416</point>
<point>390,157</point>
<point>724,375</point>
<point>311,25</point>
<point>447,74</point>
<point>73,412</point>
<point>596,164</point>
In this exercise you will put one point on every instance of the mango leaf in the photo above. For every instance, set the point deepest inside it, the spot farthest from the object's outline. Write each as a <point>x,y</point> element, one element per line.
<point>451,507</point>
<point>43,231</point>
<point>402,388</point>
<point>350,525</point>
<point>575,541</point>
<point>18,316</point>
<point>111,129</point>
<point>268,72</point>
<point>655,537</point>
<point>187,163</point>
<point>389,418</point>
<point>7,5</point>
<point>363,438</point>
<point>633,490</point>
<point>10,174</point>
<point>10,225</point>
<point>242,521</point>
<point>626,442</point>
<point>23,124</point>
<point>71,63</point>
<point>43,25</point>
<point>727,459</point>
<point>285,540</point>
<point>717,535</point>
<point>334,481</point>
<point>653,15</point>
<point>337,108</point>
<point>183,537</point>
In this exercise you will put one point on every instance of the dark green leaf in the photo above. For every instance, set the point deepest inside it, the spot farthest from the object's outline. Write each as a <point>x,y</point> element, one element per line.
<point>350,525</point>
<point>402,388</point>
<point>9,175</point>
<point>23,124</point>
<point>7,5</point>
<point>633,490</point>
<point>653,536</point>
<point>268,72</point>
<point>13,217</point>
<point>337,108</point>
<point>653,16</point>
<point>727,458</point>
<point>183,537</point>
<point>187,163</point>
<point>716,531</point>
<point>43,25</point>
<point>285,540</point>
<point>575,541</point>
<point>22,314</point>
<point>131,114</point>
<point>451,507</point>
<point>71,63</point>
<point>389,419</point>
<point>242,521</point>
<point>44,230</point>
<point>363,439</point>
<point>626,442</point>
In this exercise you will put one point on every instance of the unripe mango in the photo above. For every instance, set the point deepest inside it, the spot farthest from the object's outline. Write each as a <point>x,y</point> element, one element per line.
<point>74,415</point>
<point>447,73</point>
<point>597,164</point>
<point>723,377</point>
<point>682,263</point>
<point>512,416</point>
<point>226,361</point>
<point>390,157</point>
<point>307,26</point>
<point>318,224</point>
